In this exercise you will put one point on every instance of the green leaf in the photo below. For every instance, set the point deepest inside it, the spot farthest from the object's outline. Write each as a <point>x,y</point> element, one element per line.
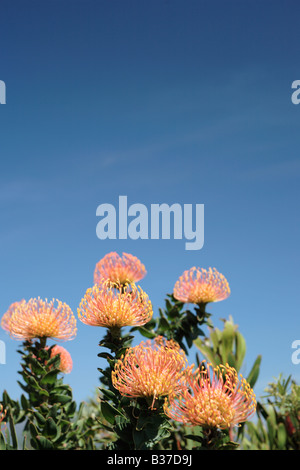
<point>71,408</point>
<point>194,438</point>
<point>2,442</point>
<point>254,373</point>
<point>105,355</point>
<point>240,350</point>
<point>23,387</point>
<point>44,443</point>
<point>50,428</point>
<point>53,411</point>
<point>108,394</point>
<point>215,337</point>
<point>109,412</point>
<point>146,333</point>
<point>33,430</point>
<point>62,399</point>
<point>24,402</point>
<point>282,436</point>
<point>54,362</point>
<point>35,366</point>
<point>140,438</point>
<point>207,352</point>
<point>163,324</point>
<point>226,345</point>
<point>50,377</point>
<point>39,417</point>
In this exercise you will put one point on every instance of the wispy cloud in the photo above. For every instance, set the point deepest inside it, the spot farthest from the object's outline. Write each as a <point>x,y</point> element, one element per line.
<point>273,171</point>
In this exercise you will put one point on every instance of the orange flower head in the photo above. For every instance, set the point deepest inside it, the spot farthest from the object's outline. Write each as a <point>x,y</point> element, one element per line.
<point>115,305</point>
<point>5,321</point>
<point>39,318</point>
<point>121,270</point>
<point>66,363</point>
<point>150,370</point>
<point>212,398</point>
<point>200,286</point>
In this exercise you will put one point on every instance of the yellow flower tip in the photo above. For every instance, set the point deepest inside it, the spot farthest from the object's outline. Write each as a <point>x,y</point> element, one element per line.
<point>39,318</point>
<point>152,370</point>
<point>109,304</point>
<point>201,286</point>
<point>66,363</point>
<point>119,269</point>
<point>212,398</point>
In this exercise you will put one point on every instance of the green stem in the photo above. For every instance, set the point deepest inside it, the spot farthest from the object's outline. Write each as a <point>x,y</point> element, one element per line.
<point>43,341</point>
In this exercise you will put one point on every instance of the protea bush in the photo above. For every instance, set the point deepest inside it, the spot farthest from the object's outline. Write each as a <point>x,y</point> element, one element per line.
<point>154,395</point>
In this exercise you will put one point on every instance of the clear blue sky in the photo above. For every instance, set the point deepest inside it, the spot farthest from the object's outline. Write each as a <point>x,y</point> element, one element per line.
<point>162,101</point>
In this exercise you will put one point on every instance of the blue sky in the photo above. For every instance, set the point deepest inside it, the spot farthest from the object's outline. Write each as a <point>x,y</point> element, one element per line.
<point>178,101</point>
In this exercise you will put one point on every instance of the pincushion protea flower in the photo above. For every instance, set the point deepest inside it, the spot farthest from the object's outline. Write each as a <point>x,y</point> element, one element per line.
<point>212,399</point>
<point>39,318</point>
<point>121,270</point>
<point>66,363</point>
<point>5,321</point>
<point>201,286</point>
<point>150,370</point>
<point>114,306</point>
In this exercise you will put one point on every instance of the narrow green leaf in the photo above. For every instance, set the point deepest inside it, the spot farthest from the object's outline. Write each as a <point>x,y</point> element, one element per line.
<point>282,436</point>
<point>227,339</point>
<point>2,442</point>
<point>12,431</point>
<point>62,399</point>
<point>254,373</point>
<point>146,333</point>
<point>24,402</point>
<point>240,350</point>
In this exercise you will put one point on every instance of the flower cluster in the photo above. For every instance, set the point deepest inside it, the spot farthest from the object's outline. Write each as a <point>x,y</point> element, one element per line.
<point>155,374</point>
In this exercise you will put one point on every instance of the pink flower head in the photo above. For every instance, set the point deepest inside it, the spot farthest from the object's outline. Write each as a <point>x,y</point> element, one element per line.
<point>212,398</point>
<point>150,370</point>
<point>200,286</point>
<point>66,363</point>
<point>39,318</point>
<point>111,305</point>
<point>121,270</point>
